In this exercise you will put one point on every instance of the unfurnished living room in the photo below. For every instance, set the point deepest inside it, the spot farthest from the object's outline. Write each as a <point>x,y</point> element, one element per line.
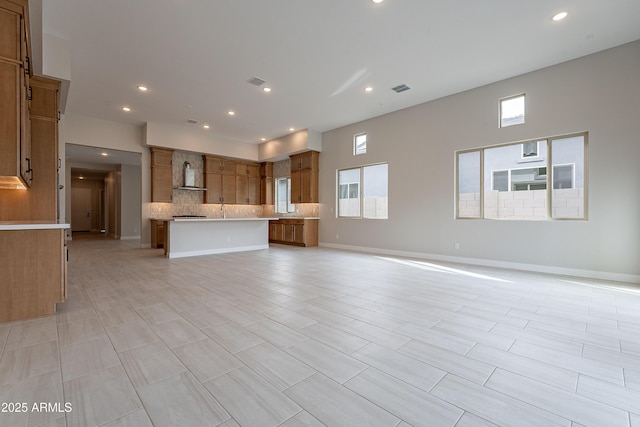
<point>363,213</point>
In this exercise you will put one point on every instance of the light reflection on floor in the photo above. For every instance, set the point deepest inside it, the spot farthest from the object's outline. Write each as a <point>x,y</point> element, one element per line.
<point>434,267</point>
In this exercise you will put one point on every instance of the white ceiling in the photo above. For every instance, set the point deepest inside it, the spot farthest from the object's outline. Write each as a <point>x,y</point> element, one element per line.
<point>317,55</point>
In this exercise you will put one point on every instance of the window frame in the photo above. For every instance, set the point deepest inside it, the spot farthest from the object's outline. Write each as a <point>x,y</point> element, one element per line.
<point>501,101</point>
<point>290,206</point>
<point>361,189</point>
<point>549,180</point>
<point>357,152</point>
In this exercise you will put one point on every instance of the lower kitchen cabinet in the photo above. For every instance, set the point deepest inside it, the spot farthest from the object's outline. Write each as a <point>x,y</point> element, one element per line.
<point>34,273</point>
<point>157,233</point>
<point>294,231</point>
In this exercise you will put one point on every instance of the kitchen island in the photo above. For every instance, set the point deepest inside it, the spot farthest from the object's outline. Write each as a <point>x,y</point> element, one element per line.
<point>187,237</point>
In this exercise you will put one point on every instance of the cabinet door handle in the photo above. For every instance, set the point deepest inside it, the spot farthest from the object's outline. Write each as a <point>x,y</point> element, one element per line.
<point>27,69</point>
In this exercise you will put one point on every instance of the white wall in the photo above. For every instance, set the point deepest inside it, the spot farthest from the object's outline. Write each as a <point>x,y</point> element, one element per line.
<point>599,94</point>
<point>131,202</point>
<point>84,130</point>
<point>280,148</point>
<point>197,140</point>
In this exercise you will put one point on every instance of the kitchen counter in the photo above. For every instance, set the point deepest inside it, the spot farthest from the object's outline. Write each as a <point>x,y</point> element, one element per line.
<point>298,217</point>
<point>187,237</point>
<point>201,219</point>
<point>32,225</point>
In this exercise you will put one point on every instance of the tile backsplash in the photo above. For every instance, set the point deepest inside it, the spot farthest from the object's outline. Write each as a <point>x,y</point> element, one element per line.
<point>167,210</point>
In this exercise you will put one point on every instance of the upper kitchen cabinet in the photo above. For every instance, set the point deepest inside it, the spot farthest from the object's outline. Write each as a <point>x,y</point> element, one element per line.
<point>44,148</point>
<point>248,183</point>
<point>304,177</point>
<point>266,183</point>
<point>15,73</point>
<point>220,180</point>
<point>161,174</point>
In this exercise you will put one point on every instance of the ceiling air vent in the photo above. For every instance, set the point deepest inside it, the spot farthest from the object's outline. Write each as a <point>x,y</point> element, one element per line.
<point>193,122</point>
<point>257,81</point>
<point>400,88</point>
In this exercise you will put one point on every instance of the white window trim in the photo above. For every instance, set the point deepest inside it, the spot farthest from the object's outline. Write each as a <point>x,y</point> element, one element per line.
<point>290,206</point>
<point>508,98</point>
<point>355,145</point>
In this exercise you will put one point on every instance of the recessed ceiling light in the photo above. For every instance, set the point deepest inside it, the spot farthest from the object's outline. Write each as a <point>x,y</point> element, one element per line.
<point>143,88</point>
<point>231,113</point>
<point>104,154</point>
<point>377,1</point>
<point>127,109</point>
<point>263,139</point>
<point>266,89</point>
<point>368,89</point>
<point>559,16</point>
<point>291,129</point>
<point>205,126</point>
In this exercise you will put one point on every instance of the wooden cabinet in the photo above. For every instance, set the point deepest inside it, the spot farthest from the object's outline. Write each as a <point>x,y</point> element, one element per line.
<point>161,175</point>
<point>33,266</point>
<point>266,183</point>
<point>304,177</point>
<point>294,231</point>
<point>247,183</point>
<point>40,202</point>
<point>219,180</point>
<point>44,147</point>
<point>15,73</point>
<point>158,229</point>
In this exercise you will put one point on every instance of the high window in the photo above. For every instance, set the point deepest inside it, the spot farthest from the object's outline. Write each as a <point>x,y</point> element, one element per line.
<point>363,192</point>
<point>359,144</point>
<point>499,182</point>
<point>512,111</point>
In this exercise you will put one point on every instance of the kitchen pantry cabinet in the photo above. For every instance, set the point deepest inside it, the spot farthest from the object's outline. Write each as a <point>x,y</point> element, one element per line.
<point>294,231</point>
<point>247,184</point>
<point>220,180</point>
<point>161,174</point>
<point>40,201</point>
<point>304,177</point>
<point>15,73</point>
<point>44,148</point>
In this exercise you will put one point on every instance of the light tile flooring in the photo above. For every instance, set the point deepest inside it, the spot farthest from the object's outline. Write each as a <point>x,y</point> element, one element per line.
<point>311,337</point>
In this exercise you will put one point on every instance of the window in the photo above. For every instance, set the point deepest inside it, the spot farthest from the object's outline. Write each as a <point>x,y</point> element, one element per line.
<point>283,196</point>
<point>363,192</point>
<point>512,111</point>
<point>359,144</point>
<point>492,184</point>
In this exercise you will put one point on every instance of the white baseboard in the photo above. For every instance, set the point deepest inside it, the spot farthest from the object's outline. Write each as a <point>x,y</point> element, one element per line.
<point>562,271</point>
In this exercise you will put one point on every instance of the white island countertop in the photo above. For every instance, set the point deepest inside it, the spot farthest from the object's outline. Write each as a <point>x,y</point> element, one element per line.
<point>32,225</point>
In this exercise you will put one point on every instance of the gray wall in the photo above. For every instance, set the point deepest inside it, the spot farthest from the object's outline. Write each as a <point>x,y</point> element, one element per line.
<point>599,93</point>
<point>131,202</point>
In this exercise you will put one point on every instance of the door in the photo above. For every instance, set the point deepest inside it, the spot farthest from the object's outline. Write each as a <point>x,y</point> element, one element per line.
<point>80,209</point>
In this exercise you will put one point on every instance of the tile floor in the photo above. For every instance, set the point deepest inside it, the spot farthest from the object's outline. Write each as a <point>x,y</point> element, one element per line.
<point>312,337</point>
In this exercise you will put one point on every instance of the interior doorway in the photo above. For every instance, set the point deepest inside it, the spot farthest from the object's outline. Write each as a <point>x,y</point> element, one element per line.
<point>81,211</point>
<point>115,180</point>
